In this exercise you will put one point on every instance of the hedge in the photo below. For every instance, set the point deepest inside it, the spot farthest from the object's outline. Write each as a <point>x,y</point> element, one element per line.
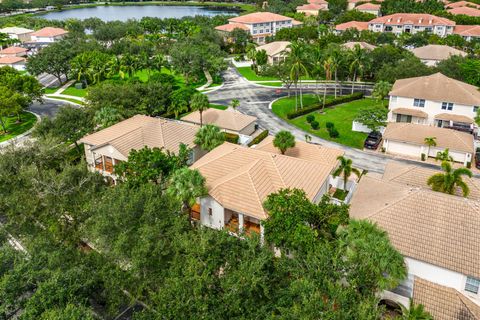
<point>231,137</point>
<point>258,138</point>
<point>328,103</point>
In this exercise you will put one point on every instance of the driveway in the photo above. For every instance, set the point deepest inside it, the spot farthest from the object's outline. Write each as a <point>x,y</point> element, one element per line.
<point>255,99</point>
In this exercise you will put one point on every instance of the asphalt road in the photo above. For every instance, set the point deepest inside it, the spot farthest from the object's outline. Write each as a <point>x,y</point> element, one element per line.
<point>46,109</point>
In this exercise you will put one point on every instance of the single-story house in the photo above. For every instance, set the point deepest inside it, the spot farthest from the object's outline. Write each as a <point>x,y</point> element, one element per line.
<point>408,139</point>
<point>438,236</point>
<point>13,52</point>
<point>17,63</point>
<point>48,34</point>
<point>276,51</point>
<point>357,25</point>
<point>432,54</point>
<point>468,32</point>
<point>17,33</point>
<point>239,179</point>
<point>363,45</point>
<point>368,7</point>
<point>229,121</point>
<point>468,11</point>
<point>110,146</point>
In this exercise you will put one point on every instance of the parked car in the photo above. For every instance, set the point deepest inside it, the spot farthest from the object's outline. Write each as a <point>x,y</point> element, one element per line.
<point>477,158</point>
<point>373,140</point>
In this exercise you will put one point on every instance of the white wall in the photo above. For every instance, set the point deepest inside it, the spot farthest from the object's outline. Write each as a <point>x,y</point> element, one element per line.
<point>111,152</point>
<point>358,127</point>
<point>217,219</point>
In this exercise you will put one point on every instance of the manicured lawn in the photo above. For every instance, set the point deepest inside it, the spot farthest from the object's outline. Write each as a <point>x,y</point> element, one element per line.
<point>285,105</point>
<point>272,84</point>
<point>218,106</point>
<point>14,129</point>
<point>72,91</point>
<point>49,90</point>
<point>248,73</point>
<point>341,115</point>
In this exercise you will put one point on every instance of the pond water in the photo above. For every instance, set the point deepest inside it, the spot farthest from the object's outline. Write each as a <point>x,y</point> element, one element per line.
<point>123,13</point>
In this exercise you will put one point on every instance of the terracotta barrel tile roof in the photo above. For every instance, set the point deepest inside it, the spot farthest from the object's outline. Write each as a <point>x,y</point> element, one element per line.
<point>462,4</point>
<point>229,27</point>
<point>419,19</point>
<point>368,6</point>
<point>49,32</point>
<point>359,25</point>
<point>13,50</point>
<point>313,6</point>
<point>472,31</point>
<point>472,12</point>
<point>259,17</point>
<point>224,119</point>
<point>11,60</point>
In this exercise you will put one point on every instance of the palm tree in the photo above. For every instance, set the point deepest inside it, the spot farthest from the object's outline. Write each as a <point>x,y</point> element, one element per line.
<point>415,312</point>
<point>209,137</point>
<point>129,65</point>
<point>298,69</point>
<point>186,186</point>
<point>199,103</point>
<point>430,142</point>
<point>235,103</point>
<point>107,116</point>
<point>448,181</point>
<point>358,57</point>
<point>381,90</point>
<point>284,140</point>
<point>252,55</point>
<point>178,106</point>
<point>444,156</point>
<point>327,66</point>
<point>316,66</point>
<point>335,55</point>
<point>346,169</point>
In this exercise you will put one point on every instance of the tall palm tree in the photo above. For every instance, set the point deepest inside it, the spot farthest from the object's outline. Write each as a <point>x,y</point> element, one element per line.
<point>327,67</point>
<point>107,116</point>
<point>381,90</point>
<point>345,168</point>
<point>283,141</point>
<point>209,137</point>
<point>430,142</point>
<point>298,68</point>
<point>316,66</point>
<point>415,312</point>
<point>252,54</point>
<point>178,106</point>
<point>448,181</point>
<point>186,186</point>
<point>335,55</point>
<point>199,103</point>
<point>358,58</point>
<point>235,103</point>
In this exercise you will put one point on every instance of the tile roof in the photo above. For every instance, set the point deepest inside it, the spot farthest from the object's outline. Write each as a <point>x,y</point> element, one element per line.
<point>241,178</point>
<point>368,6</point>
<point>313,6</point>
<point>416,134</point>
<point>140,131</point>
<point>49,32</point>
<point>437,228</point>
<point>418,19</point>
<point>410,112</point>
<point>318,2</point>
<point>223,119</point>
<point>275,47</point>
<point>437,87</point>
<point>229,27</point>
<point>13,50</point>
<point>436,52</point>
<point>359,25</point>
<point>259,17</point>
<point>454,117</point>
<point>444,303</point>
<point>11,60</point>
<point>467,31</point>
<point>15,30</point>
<point>462,4</point>
<point>472,12</point>
<point>363,45</point>
<point>416,176</point>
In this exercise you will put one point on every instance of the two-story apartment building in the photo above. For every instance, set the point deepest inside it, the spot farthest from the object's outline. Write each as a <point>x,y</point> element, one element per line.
<point>438,234</point>
<point>399,23</point>
<point>239,179</point>
<point>435,100</point>
<point>259,24</point>
<point>108,147</point>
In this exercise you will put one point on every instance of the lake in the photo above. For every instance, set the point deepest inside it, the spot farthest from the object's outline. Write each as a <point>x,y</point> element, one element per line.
<point>123,13</point>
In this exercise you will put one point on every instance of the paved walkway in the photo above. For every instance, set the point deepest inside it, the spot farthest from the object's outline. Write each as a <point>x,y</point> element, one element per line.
<point>255,99</point>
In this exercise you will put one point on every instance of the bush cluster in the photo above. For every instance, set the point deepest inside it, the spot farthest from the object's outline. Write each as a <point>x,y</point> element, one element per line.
<point>258,138</point>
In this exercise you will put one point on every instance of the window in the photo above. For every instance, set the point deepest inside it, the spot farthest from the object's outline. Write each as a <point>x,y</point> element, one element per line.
<point>475,109</point>
<point>447,106</point>
<point>393,99</point>
<point>261,31</point>
<point>267,31</point>
<point>254,31</point>
<point>419,103</point>
<point>209,211</point>
<point>404,118</point>
<point>472,285</point>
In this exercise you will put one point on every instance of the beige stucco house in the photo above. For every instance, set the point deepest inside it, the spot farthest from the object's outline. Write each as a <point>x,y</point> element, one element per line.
<point>108,147</point>
<point>276,51</point>
<point>432,54</point>
<point>312,9</point>
<point>18,63</point>
<point>368,7</point>
<point>13,52</point>
<point>17,33</point>
<point>48,34</point>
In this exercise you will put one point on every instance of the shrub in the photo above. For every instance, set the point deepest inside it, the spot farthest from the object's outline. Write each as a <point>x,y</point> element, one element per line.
<point>328,103</point>
<point>231,137</point>
<point>258,138</point>
<point>310,118</point>
<point>423,156</point>
<point>333,133</point>
<point>315,125</point>
<point>329,125</point>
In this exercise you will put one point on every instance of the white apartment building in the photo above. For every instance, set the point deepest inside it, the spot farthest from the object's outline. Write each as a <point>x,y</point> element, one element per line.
<point>399,23</point>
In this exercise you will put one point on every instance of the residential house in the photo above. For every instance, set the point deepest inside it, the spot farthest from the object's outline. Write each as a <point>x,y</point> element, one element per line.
<point>363,45</point>
<point>13,52</point>
<point>438,235</point>
<point>239,179</point>
<point>357,25</point>
<point>408,139</point>
<point>468,32</point>
<point>276,51</point>
<point>110,146</point>
<point>229,121</point>
<point>435,100</point>
<point>17,33</point>
<point>259,24</point>
<point>368,7</point>
<point>432,54</point>
<point>460,4</point>
<point>399,23</point>
<point>468,11</point>
<point>48,34</point>
<point>312,9</point>
<point>17,63</point>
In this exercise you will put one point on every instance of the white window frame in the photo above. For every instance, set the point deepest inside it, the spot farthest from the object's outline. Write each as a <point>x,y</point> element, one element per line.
<point>447,106</point>
<point>471,283</point>
<point>420,103</point>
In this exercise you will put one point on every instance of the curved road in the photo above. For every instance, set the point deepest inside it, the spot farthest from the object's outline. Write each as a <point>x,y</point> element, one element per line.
<point>255,99</point>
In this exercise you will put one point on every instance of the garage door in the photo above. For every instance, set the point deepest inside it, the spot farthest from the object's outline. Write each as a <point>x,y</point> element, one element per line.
<point>404,148</point>
<point>457,156</point>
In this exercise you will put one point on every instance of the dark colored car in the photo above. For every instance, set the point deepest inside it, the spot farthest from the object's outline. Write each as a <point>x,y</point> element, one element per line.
<point>373,140</point>
<point>477,158</point>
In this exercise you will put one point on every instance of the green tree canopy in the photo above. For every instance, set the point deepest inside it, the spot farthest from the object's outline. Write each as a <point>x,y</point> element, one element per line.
<point>284,140</point>
<point>209,137</point>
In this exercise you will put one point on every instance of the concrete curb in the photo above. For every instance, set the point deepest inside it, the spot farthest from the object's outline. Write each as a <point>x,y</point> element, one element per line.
<point>62,100</point>
<point>271,103</point>
<point>213,89</point>
<point>21,136</point>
